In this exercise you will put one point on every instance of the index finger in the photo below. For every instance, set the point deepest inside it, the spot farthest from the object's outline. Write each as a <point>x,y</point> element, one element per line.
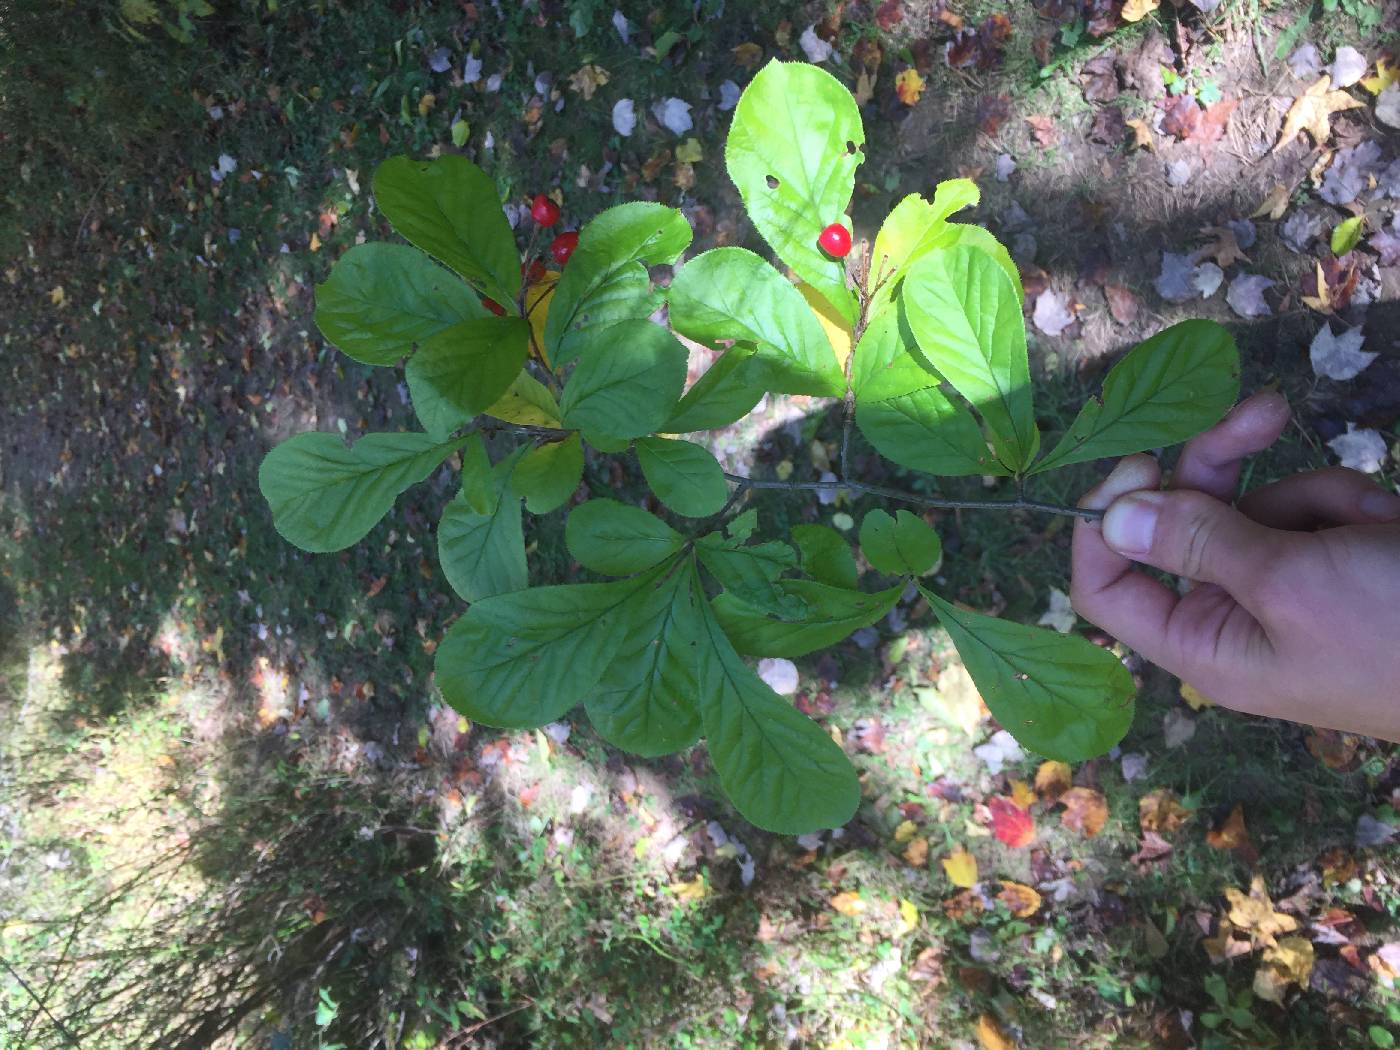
<point>1211,461</point>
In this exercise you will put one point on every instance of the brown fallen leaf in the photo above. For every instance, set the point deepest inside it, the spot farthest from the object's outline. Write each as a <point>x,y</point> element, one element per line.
<point>1142,134</point>
<point>1225,249</point>
<point>1338,866</point>
<point>748,55</point>
<point>990,1034</point>
<point>1153,848</point>
<point>865,87</point>
<point>1233,835</point>
<point>1333,749</point>
<point>588,80</point>
<point>1122,303</point>
<point>1022,900</point>
<point>848,904</point>
<point>1255,914</point>
<point>1052,779</point>
<point>1085,811</point>
<point>1044,130</point>
<point>1160,812</point>
<point>917,853</point>
<point>1312,112</point>
<point>1287,963</point>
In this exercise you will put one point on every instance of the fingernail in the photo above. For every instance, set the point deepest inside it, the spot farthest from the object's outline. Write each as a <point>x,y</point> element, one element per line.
<point>1381,505</point>
<point>1130,523</point>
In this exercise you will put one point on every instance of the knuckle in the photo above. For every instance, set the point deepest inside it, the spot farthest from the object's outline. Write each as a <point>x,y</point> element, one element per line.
<point>1198,531</point>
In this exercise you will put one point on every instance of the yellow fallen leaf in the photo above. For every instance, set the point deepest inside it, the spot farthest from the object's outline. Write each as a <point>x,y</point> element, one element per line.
<point>1387,73</point>
<point>1312,112</point>
<point>589,79</point>
<point>1137,10</point>
<point>58,296</point>
<point>832,324</point>
<point>1322,301</point>
<point>1232,834</point>
<point>689,151</point>
<point>909,86</point>
<point>917,853</point>
<point>905,831</point>
<point>1159,811</point>
<point>1287,963</point>
<point>954,699</point>
<point>908,917</point>
<point>1254,914</point>
<point>1052,779</point>
<point>1195,697</point>
<point>1142,134</point>
<point>693,890</point>
<point>961,868</point>
<point>1022,900</point>
<point>426,104</point>
<point>865,87</point>
<point>1022,795</point>
<point>990,1035</point>
<point>1085,810</point>
<point>1275,204</point>
<point>848,904</point>
<point>315,244</point>
<point>748,55</point>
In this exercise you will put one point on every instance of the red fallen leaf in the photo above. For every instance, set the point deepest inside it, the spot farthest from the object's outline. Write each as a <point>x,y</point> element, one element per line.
<point>528,794</point>
<point>912,810</point>
<point>1182,117</point>
<point>377,586</point>
<point>815,705</point>
<point>1153,848</point>
<point>1044,130</point>
<point>1011,824</point>
<point>992,112</point>
<point>889,14</point>
<point>1214,120</point>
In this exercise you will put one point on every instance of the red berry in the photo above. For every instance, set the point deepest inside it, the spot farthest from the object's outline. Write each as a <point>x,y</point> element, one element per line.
<point>563,246</point>
<point>495,307</point>
<point>543,210</point>
<point>533,271</point>
<point>835,240</point>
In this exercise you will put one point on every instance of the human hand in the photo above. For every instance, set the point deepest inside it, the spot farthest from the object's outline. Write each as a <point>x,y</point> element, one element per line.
<point>1294,610</point>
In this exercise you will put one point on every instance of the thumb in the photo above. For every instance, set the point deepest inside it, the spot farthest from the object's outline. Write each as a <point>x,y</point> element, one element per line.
<point>1194,535</point>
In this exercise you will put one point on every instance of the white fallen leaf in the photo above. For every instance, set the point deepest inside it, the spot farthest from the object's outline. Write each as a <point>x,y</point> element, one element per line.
<point>814,47</point>
<point>673,114</point>
<point>1000,750</point>
<point>1060,615</point>
<point>1205,6</point>
<point>1179,173</point>
<point>1387,246</point>
<point>1178,727</point>
<point>1246,295</point>
<point>226,166</point>
<point>624,30</point>
<point>728,96</point>
<point>1306,63</point>
<point>1207,279</point>
<point>624,117</point>
<point>1174,282</point>
<point>1300,229</point>
<point>559,732</point>
<point>1360,449</point>
<point>493,82</point>
<point>780,674</point>
<point>471,70</point>
<point>439,60</point>
<point>1052,313</point>
<point>580,797</point>
<point>1388,106</point>
<point>1134,765</point>
<point>1339,357</point>
<point>1348,66</point>
<point>1372,832</point>
<point>1006,164</point>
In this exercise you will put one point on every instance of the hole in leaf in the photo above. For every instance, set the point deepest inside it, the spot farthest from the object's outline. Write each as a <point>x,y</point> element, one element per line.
<point>772,182</point>
<point>851,147</point>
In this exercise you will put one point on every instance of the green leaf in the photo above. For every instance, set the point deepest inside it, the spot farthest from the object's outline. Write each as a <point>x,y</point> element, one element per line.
<point>833,613</point>
<point>606,280</point>
<point>324,496</point>
<point>903,545</point>
<point>464,370</point>
<point>527,401</point>
<point>904,415</point>
<point>751,573</point>
<point>792,151</point>
<point>958,233</point>
<point>966,317</point>
<point>1167,389</point>
<point>382,300</point>
<point>826,556</point>
<point>683,475</point>
<point>482,553</point>
<point>1059,695</point>
<point>913,229</point>
<point>732,294</point>
<point>628,382</point>
<point>1347,235</point>
<point>645,702</point>
<point>449,207</point>
<point>478,482</point>
<point>617,540</point>
<point>550,474</point>
<point>520,660</point>
<point>727,392</point>
<point>782,772</point>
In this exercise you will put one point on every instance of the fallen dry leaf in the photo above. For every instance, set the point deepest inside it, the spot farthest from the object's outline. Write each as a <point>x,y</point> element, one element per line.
<point>1255,914</point>
<point>1153,848</point>
<point>1287,963</point>
<point>990,1034</point>
<point>1122,303</point>
<point>909,86</point>
<point>1022,795</point>
<point>1194,698</point>
<point>1224,945</point>
<point>1011,824</point>
<point>1338,866</point>
<point>917,853</point>
<point>748,55</point>
<point>1233,835</point>
<point>1387,73</point>
<point>906,831</point>
<point>1275,204</point>
<point>1142,134</point>
<point>1052,780</point>
<point>849,904</point>
<point>1137,10</point>
<point>1044,130</point>
<point>588,80</point>
<point>908,917</point>
<point>693,890</point>
<point>1085,811</point>
<point>1333,749</point>
<point>1224,247</point>
<point>1312,112</point>
<point>961,868</point>
<point>1160,812</point>
<point>962,904</point>
<point>1022,900</point>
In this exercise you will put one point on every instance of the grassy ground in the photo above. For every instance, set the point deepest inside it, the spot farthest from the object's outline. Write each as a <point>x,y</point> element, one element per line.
<point>234,812</point>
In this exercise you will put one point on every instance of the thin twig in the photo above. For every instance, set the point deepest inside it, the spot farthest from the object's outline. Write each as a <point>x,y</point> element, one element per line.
<point>941,502</point>
<point>30,992</point>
